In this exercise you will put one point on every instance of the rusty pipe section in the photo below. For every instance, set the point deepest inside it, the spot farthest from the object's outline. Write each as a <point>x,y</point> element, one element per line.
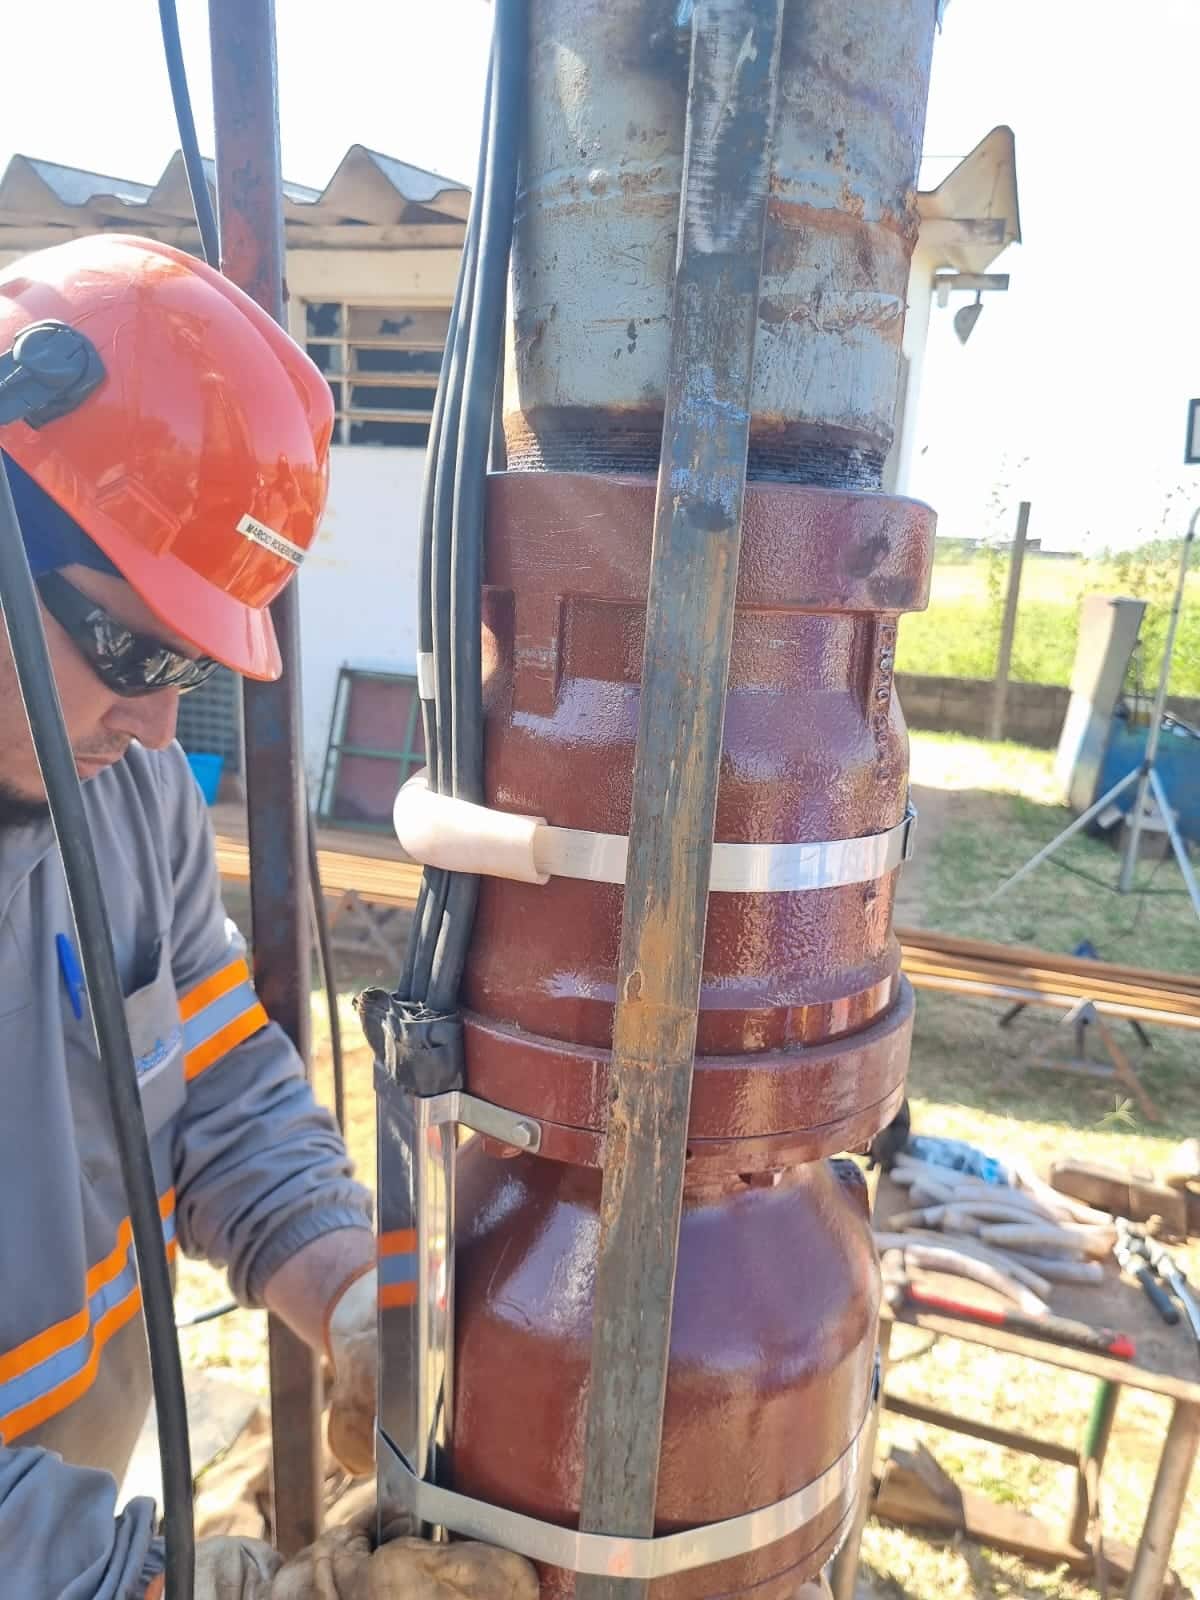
<point>598,218</point>
<point>805,1020</point>
<point>250,211</point>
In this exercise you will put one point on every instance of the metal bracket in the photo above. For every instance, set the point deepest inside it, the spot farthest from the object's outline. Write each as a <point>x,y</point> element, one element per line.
<point>481,1116</point>
<point>607,1555</point>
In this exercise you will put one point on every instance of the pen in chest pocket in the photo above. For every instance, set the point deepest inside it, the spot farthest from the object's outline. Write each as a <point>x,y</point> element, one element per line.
<point>72,973</point>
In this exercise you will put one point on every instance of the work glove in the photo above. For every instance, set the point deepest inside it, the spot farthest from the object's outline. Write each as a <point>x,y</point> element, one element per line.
<point>414,1569</point>
<point>340,1565</point>
<point>230,1569</point>
<point>352,1345</point>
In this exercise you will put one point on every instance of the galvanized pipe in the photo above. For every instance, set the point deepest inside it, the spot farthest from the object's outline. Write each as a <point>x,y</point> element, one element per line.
<point>250,211</point>
<point>597,224</point>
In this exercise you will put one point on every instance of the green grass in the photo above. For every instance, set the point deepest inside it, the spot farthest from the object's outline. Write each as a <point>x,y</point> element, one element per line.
<point>1067,899</point>
<point>999,816</point>
<point>958,636</point>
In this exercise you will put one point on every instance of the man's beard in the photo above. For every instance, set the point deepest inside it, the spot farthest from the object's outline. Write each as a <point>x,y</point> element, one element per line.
<point>19,811</point>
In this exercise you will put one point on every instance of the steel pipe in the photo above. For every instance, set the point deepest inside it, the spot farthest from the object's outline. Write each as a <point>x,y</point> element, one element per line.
<point>250,213</point>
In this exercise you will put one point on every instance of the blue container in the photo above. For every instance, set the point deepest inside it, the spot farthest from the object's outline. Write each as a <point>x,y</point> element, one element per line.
<point>207,770</point>
<point>1178,768</point>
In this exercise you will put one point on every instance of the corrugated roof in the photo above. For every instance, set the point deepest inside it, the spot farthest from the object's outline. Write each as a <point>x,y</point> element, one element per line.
<point>373,200</point>
<point>367,189</point>
<point>981,189</point>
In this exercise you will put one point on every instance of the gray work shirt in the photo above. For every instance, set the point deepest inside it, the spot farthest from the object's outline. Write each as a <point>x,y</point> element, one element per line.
<point>248,1167</point>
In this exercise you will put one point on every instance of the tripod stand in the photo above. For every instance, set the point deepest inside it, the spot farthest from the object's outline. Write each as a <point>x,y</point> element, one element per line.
<point>1145,776</point>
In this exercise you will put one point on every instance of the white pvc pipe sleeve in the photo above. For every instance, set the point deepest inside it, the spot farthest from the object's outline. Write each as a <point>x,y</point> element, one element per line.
<point>439,831</point>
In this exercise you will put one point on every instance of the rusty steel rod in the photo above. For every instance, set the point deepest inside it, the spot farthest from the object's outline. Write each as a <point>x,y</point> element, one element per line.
<point>689,629</point>
<point>250,209</point>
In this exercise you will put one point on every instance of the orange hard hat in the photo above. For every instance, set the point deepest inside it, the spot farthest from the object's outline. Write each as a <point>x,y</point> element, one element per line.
<point>195,450</point>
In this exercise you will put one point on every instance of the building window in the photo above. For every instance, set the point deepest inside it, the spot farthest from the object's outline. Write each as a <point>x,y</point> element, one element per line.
<point>210,720</point>
<point>382,364</point>
<point>376,743</point>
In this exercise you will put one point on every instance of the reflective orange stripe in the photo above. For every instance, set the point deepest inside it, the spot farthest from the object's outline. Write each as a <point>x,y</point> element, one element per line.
<point>44,1345</point>
<point>49,1405</point>
<point>400,1242</point>
<point>213,987</point>
<point>226,1039</point>
<point>51,1340</point>
<point>397,1294</point>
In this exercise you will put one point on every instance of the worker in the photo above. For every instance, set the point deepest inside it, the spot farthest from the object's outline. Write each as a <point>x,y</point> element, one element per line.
<point>166,494</point>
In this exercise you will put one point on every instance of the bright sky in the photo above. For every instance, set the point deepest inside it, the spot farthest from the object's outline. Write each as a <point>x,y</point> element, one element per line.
<point>1072,392</point>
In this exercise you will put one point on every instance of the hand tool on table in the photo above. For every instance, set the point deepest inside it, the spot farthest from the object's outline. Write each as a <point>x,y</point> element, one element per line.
<point>1057,1330</point>
<point>1133,1256</point>
<point>1169,1271</point>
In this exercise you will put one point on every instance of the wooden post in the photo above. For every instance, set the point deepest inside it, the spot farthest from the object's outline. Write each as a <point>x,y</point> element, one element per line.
<point>1009,625</point>
<point>1167,1500</point>
<point>689,629</point>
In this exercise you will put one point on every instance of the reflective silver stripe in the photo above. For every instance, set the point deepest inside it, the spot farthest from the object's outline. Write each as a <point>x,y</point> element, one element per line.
<point>606,1555</point>
<point>738,868</point>
<point>426,677</point>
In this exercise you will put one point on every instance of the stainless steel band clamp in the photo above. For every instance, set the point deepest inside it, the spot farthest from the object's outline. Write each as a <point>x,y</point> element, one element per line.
<point>607,1555</point>
<point>458,836</point>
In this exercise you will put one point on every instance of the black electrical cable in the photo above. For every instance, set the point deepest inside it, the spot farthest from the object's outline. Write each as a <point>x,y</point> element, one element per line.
<point>432,895</point>
<point>193,162</point>
<point>18,599</point>
<point>470,492</point>
<point>211,1315</point>
<point>444,498</point>
<point>429,928</point>
<point>437,529</point>
<point>433,456</point>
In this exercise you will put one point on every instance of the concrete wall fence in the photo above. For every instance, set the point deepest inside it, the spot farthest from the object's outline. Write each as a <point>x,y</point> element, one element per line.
<point>1034,712</point>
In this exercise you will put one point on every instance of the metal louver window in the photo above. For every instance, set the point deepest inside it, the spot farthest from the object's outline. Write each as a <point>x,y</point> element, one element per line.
<point>381,363</point>
<point>376,743</point>
<point>210,720</point>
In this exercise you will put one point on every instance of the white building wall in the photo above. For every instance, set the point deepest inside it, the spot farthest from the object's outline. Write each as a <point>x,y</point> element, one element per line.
<point>898,468</point>
<point>358,588</point>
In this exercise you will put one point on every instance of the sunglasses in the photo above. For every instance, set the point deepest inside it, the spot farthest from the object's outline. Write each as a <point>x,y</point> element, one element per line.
<point>126,662</point>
